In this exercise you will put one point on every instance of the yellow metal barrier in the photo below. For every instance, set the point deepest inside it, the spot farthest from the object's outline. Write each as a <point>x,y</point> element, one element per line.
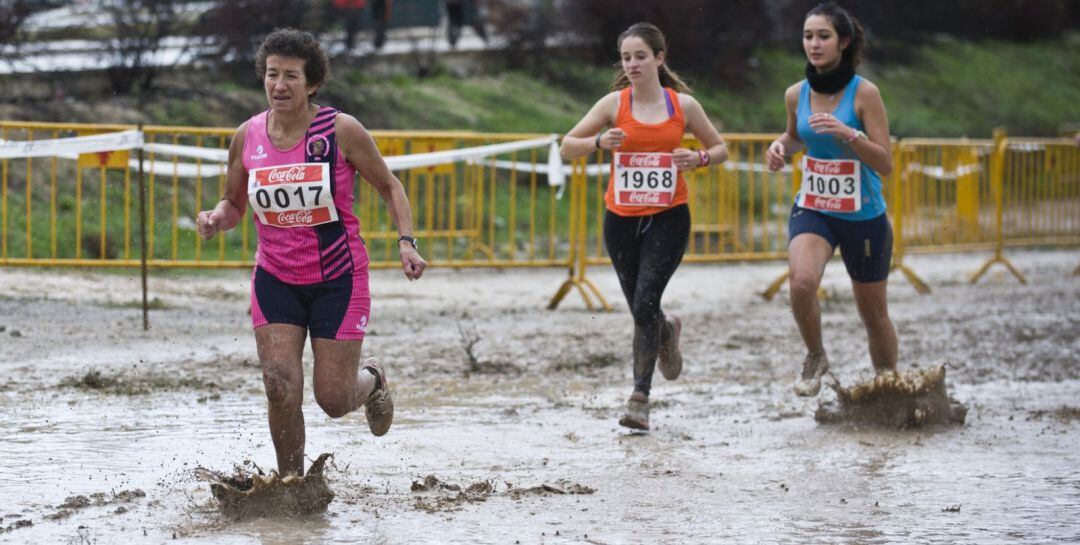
<point>466,214</point>
<point>738,208</point>
<point>944,195</point>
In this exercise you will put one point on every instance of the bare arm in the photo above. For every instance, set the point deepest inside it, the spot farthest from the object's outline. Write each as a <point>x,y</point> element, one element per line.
<point>581,140</point>
<point>788,143</point>
<point>876,149</point>
<point>232,205</point>
<point>699,125</point>
<point>360,151</point>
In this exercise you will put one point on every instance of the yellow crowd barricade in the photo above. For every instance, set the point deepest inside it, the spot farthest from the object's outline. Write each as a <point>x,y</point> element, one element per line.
<point>496,211</point>
<point>75,208</point>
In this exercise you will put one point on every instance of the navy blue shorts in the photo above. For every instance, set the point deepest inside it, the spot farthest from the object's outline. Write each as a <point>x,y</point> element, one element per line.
<point>866,246</point>
<point>335,309</point>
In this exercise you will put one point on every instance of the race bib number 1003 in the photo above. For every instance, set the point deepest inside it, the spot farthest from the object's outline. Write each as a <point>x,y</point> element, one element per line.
<point>831,185</point>
<point>644,179</point>
<point>292,195</point>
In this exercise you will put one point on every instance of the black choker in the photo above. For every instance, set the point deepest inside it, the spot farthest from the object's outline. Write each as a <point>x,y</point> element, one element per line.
<point>830,82</point>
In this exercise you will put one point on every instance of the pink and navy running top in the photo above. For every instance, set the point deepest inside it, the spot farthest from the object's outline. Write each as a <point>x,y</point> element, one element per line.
<point>308,255</point>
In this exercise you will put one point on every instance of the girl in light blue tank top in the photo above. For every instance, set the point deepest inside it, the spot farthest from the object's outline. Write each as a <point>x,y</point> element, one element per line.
<point>840,204</point>
<point>827,146</point>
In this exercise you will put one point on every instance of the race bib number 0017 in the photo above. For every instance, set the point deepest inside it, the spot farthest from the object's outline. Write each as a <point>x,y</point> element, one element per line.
<point>644,179</point>
<point>292,195</point>
<point>831,185</point>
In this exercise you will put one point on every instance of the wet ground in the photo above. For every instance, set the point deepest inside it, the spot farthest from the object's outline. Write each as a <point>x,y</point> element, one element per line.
<point>515,439</point>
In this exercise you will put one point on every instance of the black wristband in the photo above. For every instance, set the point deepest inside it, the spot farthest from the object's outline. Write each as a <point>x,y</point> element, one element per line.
<point>597,141</point>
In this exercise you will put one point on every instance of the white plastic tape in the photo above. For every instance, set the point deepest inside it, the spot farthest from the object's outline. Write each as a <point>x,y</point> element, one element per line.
<point>70,148</point>
<point>65,147</point>
<point>195,152</point>
<point>420,160</point>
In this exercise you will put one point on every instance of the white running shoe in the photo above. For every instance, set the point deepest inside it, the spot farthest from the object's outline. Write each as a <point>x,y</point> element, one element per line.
<point>813,367</point>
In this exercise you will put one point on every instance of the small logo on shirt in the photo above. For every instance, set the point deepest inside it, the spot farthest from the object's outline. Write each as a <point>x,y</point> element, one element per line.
<point>362,326</point>
<point>260,153</point>
<point>318,146</point>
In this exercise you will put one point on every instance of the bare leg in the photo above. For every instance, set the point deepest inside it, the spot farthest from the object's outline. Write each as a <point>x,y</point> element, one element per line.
<point>280,348</point>
<point>874,311</point>
<point>339,389</point>
<point>807,255</point>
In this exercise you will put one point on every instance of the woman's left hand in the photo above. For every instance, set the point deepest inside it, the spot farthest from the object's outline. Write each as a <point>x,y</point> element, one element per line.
<point>686,159</point>
<point>825,123</point>
<point>411,263</point>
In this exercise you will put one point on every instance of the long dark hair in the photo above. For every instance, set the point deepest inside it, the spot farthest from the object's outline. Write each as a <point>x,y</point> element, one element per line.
<point>847,26</point>
<point>654,38</point>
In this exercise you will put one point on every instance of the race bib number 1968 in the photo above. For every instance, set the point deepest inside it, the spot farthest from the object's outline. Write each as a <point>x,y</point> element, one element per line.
<point>831,185</point>
<point>644,179</point>
<point>292,195</point>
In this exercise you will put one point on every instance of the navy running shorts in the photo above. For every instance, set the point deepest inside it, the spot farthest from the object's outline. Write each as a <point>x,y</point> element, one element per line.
<point>865,246</point>
<point>335,309</point>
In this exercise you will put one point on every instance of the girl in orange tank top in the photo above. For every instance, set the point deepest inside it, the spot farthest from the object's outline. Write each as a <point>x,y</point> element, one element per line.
<point>661,137</point>
<point>647,223</point>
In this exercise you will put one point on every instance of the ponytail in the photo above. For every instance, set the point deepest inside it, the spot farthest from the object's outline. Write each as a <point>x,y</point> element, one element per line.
<point>654,38</point>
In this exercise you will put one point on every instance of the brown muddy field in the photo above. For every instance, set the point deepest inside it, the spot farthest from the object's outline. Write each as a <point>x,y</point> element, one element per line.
<point>506,414</point>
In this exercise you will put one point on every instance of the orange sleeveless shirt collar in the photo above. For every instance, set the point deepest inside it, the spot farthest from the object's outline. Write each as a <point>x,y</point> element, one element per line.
<point>661,137</point>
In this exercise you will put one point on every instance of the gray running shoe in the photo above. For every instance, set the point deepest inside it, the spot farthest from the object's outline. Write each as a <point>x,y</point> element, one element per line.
<point>637,412</point>
<point>379,406</point>
<point>670,356</point>
<point>813,367</point>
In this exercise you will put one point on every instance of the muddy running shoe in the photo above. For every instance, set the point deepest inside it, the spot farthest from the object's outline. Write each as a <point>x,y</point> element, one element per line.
<point>379,406</point>
<point>813,367</point>
<point>670,356</point>
<point>637,412</point>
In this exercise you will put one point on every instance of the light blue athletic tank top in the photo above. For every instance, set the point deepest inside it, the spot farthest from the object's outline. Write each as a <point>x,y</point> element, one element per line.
<point>824,146</point>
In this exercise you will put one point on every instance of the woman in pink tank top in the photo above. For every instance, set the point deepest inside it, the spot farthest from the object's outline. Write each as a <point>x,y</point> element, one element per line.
<point>294,165</point>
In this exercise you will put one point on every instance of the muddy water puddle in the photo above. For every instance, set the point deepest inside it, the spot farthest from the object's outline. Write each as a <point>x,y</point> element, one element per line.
<point>535,455</point>
<point>690,480</point>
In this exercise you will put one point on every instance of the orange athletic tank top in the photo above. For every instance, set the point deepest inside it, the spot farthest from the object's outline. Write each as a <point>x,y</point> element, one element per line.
<point>661,137</point>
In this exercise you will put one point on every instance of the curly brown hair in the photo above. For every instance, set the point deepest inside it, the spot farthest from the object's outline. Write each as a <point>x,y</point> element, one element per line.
<point>289,42</point>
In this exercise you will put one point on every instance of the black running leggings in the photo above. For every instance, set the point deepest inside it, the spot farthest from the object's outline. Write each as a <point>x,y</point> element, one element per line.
<point>646,251</point>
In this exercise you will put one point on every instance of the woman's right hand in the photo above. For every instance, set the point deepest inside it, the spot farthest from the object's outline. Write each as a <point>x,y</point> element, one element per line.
<point>612,138</point>
<point>207,222</point>
<point>774,156</point>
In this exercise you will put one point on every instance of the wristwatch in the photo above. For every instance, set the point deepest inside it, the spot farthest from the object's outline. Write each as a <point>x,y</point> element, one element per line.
<point>407,238</point>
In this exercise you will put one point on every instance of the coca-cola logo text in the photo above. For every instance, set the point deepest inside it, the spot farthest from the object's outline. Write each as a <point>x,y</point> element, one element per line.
<point>834,204</point>
<point>829,167</point>
<point>297,173</point>
<point>294,217</point>
<point>644,198</point>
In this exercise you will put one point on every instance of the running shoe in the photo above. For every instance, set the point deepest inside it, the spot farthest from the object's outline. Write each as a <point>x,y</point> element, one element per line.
<point>813,367</point>
<point>670,356</point>
<point>379,406</point>
<point>637,412</point>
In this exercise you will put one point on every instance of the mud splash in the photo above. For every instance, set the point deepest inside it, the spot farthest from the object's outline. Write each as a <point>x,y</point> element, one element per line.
<point>918,397</point>
<point>435,495</point>
<point>245,495</point>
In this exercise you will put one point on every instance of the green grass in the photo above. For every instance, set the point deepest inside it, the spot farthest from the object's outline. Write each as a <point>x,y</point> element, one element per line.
<point>949,88</point>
